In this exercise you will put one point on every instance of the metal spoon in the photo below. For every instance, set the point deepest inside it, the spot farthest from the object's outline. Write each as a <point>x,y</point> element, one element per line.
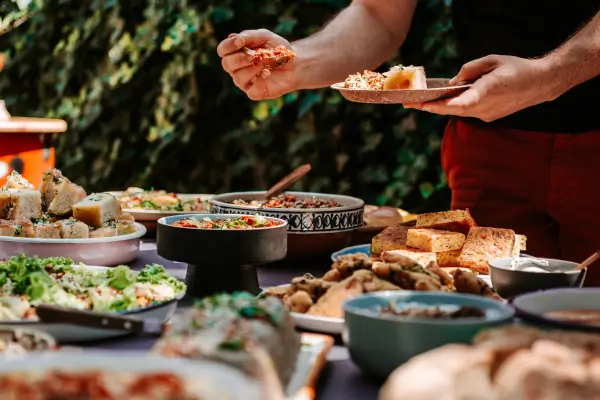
<point>588,261</point>
<point>271,62</point>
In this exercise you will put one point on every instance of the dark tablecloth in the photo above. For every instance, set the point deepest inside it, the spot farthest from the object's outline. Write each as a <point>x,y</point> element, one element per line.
<point>340,379</point>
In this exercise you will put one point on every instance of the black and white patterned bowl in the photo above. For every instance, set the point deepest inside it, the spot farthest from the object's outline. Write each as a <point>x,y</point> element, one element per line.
<point>311,231</point>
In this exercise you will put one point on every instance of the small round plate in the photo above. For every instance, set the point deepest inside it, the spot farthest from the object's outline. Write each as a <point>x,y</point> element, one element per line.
<point>437,89</point>
<point>361,248</point>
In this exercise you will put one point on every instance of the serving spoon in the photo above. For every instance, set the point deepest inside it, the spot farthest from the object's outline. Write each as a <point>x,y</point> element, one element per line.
<point>588,261</point>
<point>284,183</point>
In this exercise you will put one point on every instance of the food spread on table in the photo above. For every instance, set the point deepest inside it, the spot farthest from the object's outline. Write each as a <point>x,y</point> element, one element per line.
<point>399,77</point>
<point>289,201</point>
<point>243,222</point>
<point>26,281</point>
<point>223,326</point>
<point>60,209</point>
<point>513,362</point>
<point>450,238</point>
<point>428,312</point>
<point>160,200</point>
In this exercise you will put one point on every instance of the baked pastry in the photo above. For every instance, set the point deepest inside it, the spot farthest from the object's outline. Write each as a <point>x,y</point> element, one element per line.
<point>455,221</point>
<point>435,240</point>
<point>484,244</point>
<point>405,78</point>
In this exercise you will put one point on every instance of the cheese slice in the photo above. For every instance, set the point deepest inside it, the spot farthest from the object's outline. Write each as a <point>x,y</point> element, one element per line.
<point>405,78</point>
<point>97,209</point>
<point>25,203</point>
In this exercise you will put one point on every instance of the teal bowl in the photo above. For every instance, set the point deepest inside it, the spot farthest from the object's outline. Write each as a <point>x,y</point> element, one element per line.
<point>379,344</point>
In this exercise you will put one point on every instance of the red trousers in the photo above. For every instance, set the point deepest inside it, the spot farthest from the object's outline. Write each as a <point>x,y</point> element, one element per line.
<point>542,185</point>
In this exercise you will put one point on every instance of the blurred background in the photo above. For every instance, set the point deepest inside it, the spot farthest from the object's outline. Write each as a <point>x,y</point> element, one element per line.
<point>141,86</point>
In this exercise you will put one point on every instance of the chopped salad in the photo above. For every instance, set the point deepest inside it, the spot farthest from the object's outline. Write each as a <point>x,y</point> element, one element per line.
<point>161,200</point>
<point>28,281</point>
<point>243,222</point>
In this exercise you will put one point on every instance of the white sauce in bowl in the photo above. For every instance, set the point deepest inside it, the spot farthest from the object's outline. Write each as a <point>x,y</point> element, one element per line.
<point>531,264</point>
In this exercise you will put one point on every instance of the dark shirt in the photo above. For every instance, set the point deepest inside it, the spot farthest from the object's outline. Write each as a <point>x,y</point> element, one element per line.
<point>529,29</point>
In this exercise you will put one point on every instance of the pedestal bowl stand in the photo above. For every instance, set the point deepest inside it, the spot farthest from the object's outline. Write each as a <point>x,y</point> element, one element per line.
<point>221,260</point>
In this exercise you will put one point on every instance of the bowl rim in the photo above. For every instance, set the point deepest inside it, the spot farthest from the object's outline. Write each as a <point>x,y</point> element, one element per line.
<point>163,221</point>
<point>534,272</point>
<point>140,230</point>
<point>358,204</point>
<point>507,310</point>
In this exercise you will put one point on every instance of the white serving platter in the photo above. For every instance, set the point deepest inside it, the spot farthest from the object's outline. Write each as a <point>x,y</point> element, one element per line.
<point>154,215</point>
<point>65,333</point>
<point>107,251</point>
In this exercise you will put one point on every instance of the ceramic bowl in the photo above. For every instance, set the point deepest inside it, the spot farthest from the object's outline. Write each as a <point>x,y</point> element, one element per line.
<point>532,307</point>
<point>379,344</point>
<point>107,251</point>
<point>509,283</point>
<point>312,231</point>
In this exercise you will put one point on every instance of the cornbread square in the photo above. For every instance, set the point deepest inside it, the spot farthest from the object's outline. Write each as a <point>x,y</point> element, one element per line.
<point>25,203</point>
<point>484,244</point>
<point>520,245</point>
<point>97,209</point>
<point>448,259</point>
<point>455,221</point>
<point>391,238</point>
<point>419,256</point>
<point>435,241</point>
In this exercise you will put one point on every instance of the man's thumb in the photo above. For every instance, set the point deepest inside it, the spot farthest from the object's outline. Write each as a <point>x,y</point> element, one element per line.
<point>473,70</point>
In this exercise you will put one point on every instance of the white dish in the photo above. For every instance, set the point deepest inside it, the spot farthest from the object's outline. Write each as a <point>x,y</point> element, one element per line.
<point>107,251</point>
<point>65,333</point>
<point>236,385</point>
<point>155,215</point>
<point>334,326</point>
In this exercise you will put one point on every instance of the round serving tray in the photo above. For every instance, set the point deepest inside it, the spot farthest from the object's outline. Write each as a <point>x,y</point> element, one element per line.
<point>107,251</point>
<point>437,89</point>
<point>65,333</point>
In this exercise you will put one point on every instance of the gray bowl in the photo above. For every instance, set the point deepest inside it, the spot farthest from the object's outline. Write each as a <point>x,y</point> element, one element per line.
<point>379,344</point>
<point>509,283</point>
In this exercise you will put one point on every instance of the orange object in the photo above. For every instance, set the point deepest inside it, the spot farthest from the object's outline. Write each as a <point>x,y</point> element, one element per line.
<point>23,148</point>
<point>542,185</point>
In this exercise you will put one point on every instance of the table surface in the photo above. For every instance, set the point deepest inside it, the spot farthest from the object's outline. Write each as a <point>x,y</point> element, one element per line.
<point>340,379</point>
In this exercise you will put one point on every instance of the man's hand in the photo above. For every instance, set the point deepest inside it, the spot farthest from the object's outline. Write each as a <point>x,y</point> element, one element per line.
<point>256,82</point>
<point>502,85</point>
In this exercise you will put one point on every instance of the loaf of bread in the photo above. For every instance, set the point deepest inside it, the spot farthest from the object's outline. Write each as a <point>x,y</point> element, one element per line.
<point>484,244</point>
<point>25,203</point>
<point>391,238</point>
<point>434,240</point>
<point>455,221</point>
<point>73,229</point>
<point>97,209</point>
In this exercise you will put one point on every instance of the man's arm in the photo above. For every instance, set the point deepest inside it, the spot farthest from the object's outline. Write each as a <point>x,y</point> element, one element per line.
<point>364,35</point>
<point>578,59</point>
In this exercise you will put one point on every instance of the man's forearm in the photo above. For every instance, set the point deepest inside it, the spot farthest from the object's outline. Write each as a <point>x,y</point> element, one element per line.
<point>578,59</point>
<point>357,39</point>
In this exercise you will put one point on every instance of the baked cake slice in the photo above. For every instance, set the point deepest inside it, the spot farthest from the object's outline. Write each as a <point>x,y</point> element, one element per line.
<point>434,240</point>
<point>455,221</point>
<point>391,238</point>
<point>484,244</point>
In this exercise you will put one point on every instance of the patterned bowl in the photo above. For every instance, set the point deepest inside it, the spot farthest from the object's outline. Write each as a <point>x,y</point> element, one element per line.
<point>311,231</point>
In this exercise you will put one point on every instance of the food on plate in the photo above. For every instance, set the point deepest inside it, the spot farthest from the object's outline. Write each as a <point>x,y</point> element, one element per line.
<point>243,222</point>
<point>103,384</point>
<point>367,80</point>
<point>428,312</point>
<point>59,210</point>
<point>583,317</point>
<point>405,78</point>
<point>438,237</point>
<point>222,328</point>
<point>28,281</point>
<point>280,54</point>
<point>354,274</point>
<point>19,342</point>
<point>435,241</point>
<point>160,200</point>
<point>289,201</point>
<point>97,209</point>
<point>513,362</point>
<point>484,244</point>
<point>453,221</point>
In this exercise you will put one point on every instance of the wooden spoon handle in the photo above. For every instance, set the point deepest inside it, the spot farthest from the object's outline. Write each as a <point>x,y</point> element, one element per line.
<point>588,261</point>
<point>288,181</point>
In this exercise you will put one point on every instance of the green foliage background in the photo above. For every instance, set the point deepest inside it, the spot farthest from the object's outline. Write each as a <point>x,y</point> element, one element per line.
<point>147,103</point>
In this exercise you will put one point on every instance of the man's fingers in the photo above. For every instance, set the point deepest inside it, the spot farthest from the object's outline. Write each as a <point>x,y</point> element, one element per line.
<point>245,76</point>
<point>473,70</point>
<point>235,61</point>
<point>250,38</point>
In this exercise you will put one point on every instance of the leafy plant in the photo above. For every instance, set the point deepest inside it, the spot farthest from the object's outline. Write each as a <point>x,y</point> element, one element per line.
<point>148,104</point>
